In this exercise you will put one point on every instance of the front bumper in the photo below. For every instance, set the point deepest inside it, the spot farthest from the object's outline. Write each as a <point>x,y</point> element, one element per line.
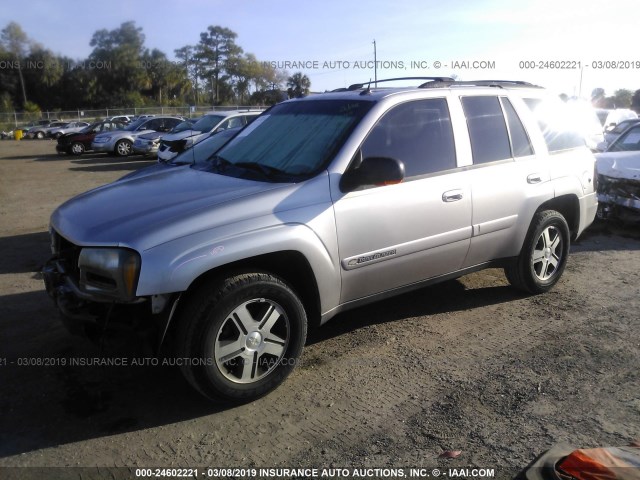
<point>619,198</point>
<point>101,320</point>
<point>145,149</point>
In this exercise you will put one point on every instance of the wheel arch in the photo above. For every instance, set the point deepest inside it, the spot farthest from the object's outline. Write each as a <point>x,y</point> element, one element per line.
<point>289,265</point>
<point>569,207</point>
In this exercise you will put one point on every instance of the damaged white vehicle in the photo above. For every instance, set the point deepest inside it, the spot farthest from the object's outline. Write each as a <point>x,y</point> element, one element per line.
<point>619,185</point>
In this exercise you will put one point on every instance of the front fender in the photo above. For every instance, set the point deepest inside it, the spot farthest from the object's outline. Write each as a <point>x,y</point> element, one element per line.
<point>173,266</point>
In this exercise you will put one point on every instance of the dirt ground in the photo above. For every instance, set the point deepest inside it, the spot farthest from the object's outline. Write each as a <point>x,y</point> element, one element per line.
<point>467,365</point>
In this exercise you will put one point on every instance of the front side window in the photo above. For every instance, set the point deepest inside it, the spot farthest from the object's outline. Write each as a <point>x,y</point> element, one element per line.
<point>487,129</point>
<point>417,133</point>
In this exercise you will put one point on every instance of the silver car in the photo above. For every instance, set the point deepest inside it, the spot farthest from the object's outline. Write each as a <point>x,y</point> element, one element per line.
<point>212,122</point>
<point>120,142</point>
<point>70,127</point>
<point>323,204</point>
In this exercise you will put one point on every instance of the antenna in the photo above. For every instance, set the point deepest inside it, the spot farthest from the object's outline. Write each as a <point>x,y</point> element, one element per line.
<point>375,64</point>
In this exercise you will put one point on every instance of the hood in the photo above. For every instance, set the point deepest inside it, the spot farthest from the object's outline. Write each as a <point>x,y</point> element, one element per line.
<point>149,210</point>
<point>181,135</point>
<point>623,165</point>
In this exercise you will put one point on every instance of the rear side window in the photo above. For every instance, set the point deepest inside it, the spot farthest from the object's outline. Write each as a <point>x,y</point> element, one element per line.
<point>558,128</point>
<point>487,129</point>
<point>417,133</point>
<point>520,144</point>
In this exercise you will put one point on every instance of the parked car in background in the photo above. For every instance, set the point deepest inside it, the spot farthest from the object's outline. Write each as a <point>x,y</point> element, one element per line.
<point>70,127</point>
<point>173,144</point>
<point>79,142</point>
<point>40,131</point>
<point>126,119</point>
<point>628,140</point>
<point>199,155</point>
<point>618,115</point>
<point>148,143</point>
<point>615,132</point>
<point>619,185</point>
<point>120,142</point>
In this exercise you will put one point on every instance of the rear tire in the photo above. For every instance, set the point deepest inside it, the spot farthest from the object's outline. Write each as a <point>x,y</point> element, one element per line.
<point>543,256</point>
<point>241,337</point>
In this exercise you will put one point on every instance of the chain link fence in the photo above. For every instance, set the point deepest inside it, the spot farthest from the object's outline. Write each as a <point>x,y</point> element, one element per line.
<point>12,120</point>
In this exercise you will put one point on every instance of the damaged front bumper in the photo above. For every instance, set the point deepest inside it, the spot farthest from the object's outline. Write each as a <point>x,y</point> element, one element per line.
<point>98,318</point>
<point>619,198</point>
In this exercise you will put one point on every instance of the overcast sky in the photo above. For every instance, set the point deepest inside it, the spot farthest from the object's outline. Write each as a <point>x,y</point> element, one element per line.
<point>338,36</point>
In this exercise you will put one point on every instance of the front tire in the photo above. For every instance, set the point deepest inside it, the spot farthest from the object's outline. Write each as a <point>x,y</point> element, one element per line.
<point>76,148</point>
<point>544,254</point>
<point>239,338</point>
<point>39,135</point>
<point>123,148</point>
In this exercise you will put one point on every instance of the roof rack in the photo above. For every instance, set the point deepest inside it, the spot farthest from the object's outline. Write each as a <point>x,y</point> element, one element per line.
<point>358,86</point>
<point>478,83</point>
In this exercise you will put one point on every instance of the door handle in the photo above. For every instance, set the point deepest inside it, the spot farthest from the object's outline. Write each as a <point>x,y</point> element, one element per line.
<point>452,196</point>
<point>534,178</point>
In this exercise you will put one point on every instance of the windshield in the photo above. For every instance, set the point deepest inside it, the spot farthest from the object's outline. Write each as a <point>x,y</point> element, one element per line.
<point>292,140</point>
<point>206,123</point>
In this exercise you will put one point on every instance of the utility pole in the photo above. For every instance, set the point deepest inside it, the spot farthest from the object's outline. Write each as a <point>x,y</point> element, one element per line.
<point>375,64</point>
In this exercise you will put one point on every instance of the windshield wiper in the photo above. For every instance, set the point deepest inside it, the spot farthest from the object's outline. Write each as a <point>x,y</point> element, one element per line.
<point>267,171</point>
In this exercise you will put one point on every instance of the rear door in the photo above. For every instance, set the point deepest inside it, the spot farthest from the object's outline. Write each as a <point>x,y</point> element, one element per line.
<point>507,178</point>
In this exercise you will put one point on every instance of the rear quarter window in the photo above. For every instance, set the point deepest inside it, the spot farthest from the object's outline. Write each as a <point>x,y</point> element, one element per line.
<point>559,130</point>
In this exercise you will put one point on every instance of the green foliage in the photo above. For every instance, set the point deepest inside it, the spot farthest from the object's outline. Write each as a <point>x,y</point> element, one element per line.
<point>635,102</point>
<point>622,98</point>
<point>122,72</point>
<point>298,85</point>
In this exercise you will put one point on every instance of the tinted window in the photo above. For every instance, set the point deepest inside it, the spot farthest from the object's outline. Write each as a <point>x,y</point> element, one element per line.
<point>520,145</point>
<point>417,133</point>
<point>554,120</point>
<point>628,141</point>
<point>487,130</point>
<point>169,123</point>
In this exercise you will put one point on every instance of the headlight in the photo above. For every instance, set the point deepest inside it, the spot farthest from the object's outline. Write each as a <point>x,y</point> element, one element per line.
<point>111,272</point>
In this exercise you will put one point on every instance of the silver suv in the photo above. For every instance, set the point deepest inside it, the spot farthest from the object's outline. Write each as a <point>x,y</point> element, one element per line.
<point>320,205</point>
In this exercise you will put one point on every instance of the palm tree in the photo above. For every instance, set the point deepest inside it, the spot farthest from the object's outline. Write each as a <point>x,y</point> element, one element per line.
<point>298,85</point>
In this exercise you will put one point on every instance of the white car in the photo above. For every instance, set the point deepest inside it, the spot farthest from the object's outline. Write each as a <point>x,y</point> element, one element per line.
<point>618,115</point>
<point>619,185</point>
<point>611,135</point>
<point>171,145</point>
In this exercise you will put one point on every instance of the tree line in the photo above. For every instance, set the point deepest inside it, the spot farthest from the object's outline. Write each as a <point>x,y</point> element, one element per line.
<point>121,72</point>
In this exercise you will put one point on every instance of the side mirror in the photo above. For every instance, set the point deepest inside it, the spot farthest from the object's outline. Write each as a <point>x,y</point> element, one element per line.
<point>373,171</point>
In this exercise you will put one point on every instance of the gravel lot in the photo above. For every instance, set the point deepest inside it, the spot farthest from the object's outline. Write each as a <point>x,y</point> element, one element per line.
<point>467,365</point>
